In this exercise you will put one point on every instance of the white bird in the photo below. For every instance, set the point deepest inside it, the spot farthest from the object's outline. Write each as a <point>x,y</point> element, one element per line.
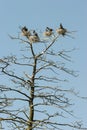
<point>61,30</point>
<point>48,31</point>
<point>25,32</point>
<point>34,38</point>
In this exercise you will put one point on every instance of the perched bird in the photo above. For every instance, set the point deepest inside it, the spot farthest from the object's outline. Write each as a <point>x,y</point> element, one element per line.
<point>25,32</point>
<point>48,31</point>
<point>61,30</point>
<point>34,38</point>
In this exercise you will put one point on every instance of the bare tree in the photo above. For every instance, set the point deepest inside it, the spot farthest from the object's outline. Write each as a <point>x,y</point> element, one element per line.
<point>34,99</point>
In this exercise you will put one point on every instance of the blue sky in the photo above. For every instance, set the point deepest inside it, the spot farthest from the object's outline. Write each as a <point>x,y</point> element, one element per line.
<point>41,13</point>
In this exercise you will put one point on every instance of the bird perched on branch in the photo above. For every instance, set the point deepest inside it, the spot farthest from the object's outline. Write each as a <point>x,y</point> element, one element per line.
<point>34,38</point>
<point>48,31</point>
<point>61,30</point>
<point>25,32</point>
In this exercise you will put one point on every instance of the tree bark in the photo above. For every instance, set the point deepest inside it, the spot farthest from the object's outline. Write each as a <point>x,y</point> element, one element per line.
<point>31,105</point>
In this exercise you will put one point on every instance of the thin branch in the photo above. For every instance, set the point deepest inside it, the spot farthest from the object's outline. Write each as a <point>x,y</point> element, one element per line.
<point>45,50</point>
<point>15,90</point>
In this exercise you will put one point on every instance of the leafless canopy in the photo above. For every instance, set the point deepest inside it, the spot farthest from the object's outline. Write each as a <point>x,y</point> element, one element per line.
<point>33,98</point>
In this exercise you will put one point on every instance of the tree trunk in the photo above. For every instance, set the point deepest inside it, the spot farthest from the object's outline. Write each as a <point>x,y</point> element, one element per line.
<point>31,105</point>
<point>31,116</point>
